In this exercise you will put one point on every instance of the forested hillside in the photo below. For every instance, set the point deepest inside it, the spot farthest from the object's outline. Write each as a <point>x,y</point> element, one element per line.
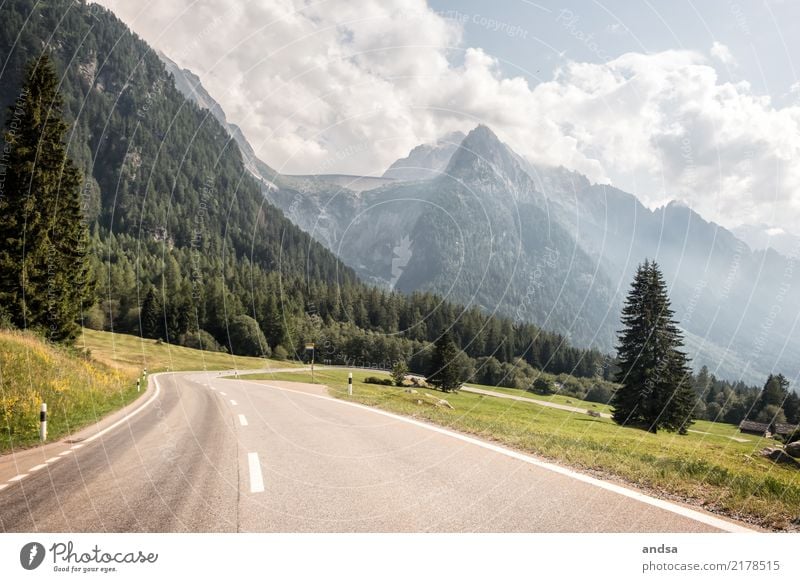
<point>186,249</point>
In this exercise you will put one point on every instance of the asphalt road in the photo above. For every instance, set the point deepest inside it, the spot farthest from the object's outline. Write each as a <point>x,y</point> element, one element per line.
<point>204,454</point>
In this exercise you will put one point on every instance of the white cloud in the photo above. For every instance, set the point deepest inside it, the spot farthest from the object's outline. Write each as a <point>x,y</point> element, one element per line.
<point>310,83</point>
<point>723,54</point>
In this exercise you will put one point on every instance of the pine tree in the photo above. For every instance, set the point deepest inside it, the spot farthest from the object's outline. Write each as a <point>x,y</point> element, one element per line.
<point>399,372</point>
<point>656,384</point>
<point>443,371</point>
<point>45,270</point>
<point>152,315</point>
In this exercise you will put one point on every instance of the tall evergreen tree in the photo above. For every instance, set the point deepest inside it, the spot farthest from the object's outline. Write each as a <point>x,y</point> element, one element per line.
<point>152,315</point>
<point>656,384</point>
<point>443,369</point>
<point>45,280</point>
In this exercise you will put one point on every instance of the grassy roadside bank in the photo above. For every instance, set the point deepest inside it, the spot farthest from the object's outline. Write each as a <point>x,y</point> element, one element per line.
<point>81,388</point>
<point>78,391</point>
<point>129,351</point>
<point>705,468</point>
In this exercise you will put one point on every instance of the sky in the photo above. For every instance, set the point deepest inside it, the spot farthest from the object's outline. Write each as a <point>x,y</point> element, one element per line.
<point>693,101</point>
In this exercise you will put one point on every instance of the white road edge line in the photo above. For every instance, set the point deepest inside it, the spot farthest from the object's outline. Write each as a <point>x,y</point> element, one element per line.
<point>37,467</point>
<point>124,418</point>
<point>242,420</point>
<point>233,403</point>
<point>624,491</point>
<point>3,486</point>
<point>53,460</point>
<point>99,434</point>
<point>256,480</point>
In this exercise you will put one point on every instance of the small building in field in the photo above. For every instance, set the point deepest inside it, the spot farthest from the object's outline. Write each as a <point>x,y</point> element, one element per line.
<point>767,430</point>
<point>752,427</point>
<point>785,429</point>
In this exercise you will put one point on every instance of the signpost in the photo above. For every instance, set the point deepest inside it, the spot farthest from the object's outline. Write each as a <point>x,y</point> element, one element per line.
<point>310,347</point>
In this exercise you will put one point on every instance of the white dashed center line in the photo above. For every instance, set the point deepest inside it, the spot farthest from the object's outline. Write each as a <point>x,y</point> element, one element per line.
<point>242,420</point>
<point>53,460</point>
<point>256,480</point>
<point>20,477</point>
<point>233,403</point>
<point>221,392</point>
<point>37,467</point>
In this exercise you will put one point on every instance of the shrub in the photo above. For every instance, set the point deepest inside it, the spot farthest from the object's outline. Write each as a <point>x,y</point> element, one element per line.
<point>200,340</point>
<point>246,337</point>
<point>380,381</point>
<point>542,386</point>
<point>399,371</point>
<point>280,353</point>
<point>599,393</point>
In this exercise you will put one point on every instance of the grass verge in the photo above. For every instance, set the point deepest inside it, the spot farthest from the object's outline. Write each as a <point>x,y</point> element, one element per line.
<point>705,468</point>
<point>77,391</point>
<point>135,353</point>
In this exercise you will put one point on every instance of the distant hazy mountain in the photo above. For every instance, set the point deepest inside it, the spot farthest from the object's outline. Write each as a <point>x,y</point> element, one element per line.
<point>427,160</point>
<point>478,232</point>
<point>467,217</point>
<point>762,236</point>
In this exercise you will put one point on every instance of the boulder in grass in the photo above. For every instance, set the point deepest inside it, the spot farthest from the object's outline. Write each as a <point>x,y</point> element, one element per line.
<point>793,449</point>
<point>780,456</point>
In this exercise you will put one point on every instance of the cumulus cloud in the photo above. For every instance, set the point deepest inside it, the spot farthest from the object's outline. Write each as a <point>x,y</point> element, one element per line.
<point>722,53</point>
<point>351,86</point>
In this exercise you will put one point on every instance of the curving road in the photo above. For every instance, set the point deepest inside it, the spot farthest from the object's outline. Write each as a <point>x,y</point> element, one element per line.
<point>201,453</point>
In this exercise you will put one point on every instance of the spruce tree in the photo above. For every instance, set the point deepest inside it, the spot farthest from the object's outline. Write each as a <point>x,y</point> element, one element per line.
<point>443,370</point>
<point>152,315</point>
<point>45,281</point>
<point>656,390</point>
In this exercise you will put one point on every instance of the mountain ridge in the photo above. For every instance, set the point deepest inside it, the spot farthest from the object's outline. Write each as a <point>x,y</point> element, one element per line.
<point>609,229</point>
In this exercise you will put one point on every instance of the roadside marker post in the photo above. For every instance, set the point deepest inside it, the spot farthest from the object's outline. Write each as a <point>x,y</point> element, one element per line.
<point>349,383</point>
<point>43,423</point>
<point>310,347</point>
<point>138,385</point>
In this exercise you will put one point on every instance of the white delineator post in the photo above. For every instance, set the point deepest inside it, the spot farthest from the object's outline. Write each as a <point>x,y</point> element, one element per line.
<point>138,384</point>
<point>349,383</point>
<point>43,423</point>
